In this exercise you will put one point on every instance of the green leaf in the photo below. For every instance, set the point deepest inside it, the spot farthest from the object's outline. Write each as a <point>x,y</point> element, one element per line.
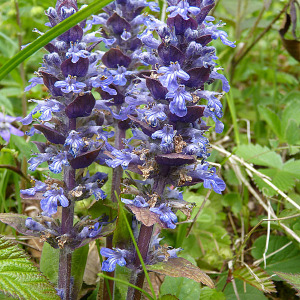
<point>4,297</point>
<point>281,179</point>
<point>292,167</point>
<point>231,178</point>
<point>292,279</point>
<point>257,277</point>
<point>246,292</point>
<point>168,297</point>
<point>49,263</point>
<point>287,260</point>
<point>121,234</point>
<point>292,133</point>
<point>94,295</point>
<point>19,277</point>
<point>211,294</point>
<point>271,118</point>
<point>180,267</point>
<point>54,32</point>
<point>182,288</point>
<point>79,259</point>
<point>291,112</point>
<point>259,155</point>
<point>234,201</point>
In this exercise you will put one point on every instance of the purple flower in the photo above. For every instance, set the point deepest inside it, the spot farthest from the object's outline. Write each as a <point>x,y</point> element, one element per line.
<point>114,257</point>
<point>213,108</point>
<point>33,82</point>
<point>166,135</point>
<point>38,159</point>
<point>70,85</point>
<point>154,115</point>
<point>209,177</point>
<point>96,20</point>
<point>177,105</point>
<point>75,142</point>
<point>216,33</point>
<point>125,35</point>
<point>6,129</point>
<point>165,215</point>
<point>33,225</point>
<point>75,52</point>
<point>58,161</point>
<point>122,158</point>
<point>138,201</point>
<point>171,73</point>
<point>45,108</point>
<point>225,84</point>
<point>90,231</point>
<point>182,9</point>
<point>119,75</point>
<point>103,81</point>
<point>213,181</point>
<point>148,40</point>
<point>51,197</point>
<point>38,187</point>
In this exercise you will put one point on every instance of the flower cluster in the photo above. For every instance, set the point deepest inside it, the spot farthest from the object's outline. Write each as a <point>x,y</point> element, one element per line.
<point>74,130</point>
<point>167,105</point>
<point>153,79</point>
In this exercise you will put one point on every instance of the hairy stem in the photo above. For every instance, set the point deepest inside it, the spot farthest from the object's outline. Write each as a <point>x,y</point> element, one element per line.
<point>117,172</point>
<point>144,239</point>
<point>65,256</point>
<point>115,187</point>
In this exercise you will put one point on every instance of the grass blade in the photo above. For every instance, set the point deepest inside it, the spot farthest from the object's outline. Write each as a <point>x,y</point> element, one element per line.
<point>127,283</point>
<point>54,32</point>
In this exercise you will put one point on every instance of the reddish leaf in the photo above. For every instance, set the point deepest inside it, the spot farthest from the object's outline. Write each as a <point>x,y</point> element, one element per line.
<point>180,267</point>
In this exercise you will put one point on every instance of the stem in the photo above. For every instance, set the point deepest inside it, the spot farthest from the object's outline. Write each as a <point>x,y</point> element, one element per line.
<point>115,187</point>
<point>145,235</point>
<point>65,256</point>
<point>117,172</point>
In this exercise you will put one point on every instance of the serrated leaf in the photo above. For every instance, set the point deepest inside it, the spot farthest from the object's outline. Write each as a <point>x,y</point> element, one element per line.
<point>259,155</point>
<point>281,179</point>
<point>19,277</point>
<point>271,118</point>
<point>292,279</point>
<point>292,167</point>
<point>292,133</point>
<point>255,276</point>
<point>286,260</point>
<point>245,291</point>
<point>180,267</point>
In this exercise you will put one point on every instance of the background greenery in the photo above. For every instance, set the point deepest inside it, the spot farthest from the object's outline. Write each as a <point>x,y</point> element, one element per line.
<point>259,146</point>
